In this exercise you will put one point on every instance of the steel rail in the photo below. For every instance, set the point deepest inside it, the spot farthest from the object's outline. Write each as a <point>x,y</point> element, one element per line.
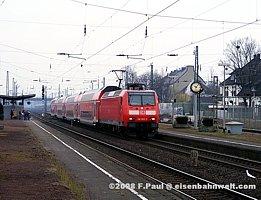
<point>162,165</point>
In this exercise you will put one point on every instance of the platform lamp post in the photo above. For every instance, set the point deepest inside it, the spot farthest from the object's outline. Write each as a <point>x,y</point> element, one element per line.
<point>253,90</point>
<point>225,65</point>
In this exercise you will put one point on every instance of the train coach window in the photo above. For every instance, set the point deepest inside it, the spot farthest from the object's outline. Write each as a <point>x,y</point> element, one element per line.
<point>141,99</point>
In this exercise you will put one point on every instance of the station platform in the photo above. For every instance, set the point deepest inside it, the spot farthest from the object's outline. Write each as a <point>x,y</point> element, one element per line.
<point>246,140</point>
<point>96,171</point>
<point>26,169</point>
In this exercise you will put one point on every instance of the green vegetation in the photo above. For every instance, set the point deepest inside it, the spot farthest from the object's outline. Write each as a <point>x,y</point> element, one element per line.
<point>65,177</point>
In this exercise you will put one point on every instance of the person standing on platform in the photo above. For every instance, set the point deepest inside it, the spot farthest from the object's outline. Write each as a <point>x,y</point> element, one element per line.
<point>1,111</point>
<point>12,113</point>
<point>23,117</point>
<point>20,115</point>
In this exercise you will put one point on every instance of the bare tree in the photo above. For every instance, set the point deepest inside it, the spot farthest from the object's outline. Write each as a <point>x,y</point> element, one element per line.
<point>157,82</point>
<point>132,75</point>
<point>240,51</point>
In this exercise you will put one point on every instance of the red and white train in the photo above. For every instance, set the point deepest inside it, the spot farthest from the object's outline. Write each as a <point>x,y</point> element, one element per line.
<point>121,110</point>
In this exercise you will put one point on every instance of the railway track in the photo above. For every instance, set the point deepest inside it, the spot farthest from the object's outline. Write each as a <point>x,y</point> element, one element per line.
<point>166,174</point>
<point>209,156</point>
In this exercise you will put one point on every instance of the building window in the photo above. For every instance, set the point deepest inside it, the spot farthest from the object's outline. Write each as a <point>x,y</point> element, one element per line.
<point>226,91</point>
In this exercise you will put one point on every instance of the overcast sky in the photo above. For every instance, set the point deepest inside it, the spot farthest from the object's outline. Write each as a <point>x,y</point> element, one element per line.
<point>32,32</point>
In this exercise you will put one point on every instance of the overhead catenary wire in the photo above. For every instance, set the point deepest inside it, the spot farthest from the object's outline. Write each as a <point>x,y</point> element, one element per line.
<point>29,52</point>
<point>125,34</point>
<point>163,16</point>
<point>153,35</point>
<point>196,42</point>
<point>113,55</point>
<point>160,32</point>
<point>103,26</point>
<point>84,39</point>
<point>108,18</point>
<point>128,32</point>
<point>47,74</point>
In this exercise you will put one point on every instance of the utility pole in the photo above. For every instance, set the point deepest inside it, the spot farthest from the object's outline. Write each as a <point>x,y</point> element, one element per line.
<point>59,91</point>
<point>7,83</point>
<point>151,76</point>
<point>92,84</point>
<point>225,65</point>
<point>224,101</point>
<point>127,76</point>
<point>45,99</point>
<point>103,82</point>
<point>195,96</point>
<point>16,89</point>
<point>13,87</point>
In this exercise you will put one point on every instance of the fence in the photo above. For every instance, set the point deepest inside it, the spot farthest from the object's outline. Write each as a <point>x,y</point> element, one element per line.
<point>249,116</point>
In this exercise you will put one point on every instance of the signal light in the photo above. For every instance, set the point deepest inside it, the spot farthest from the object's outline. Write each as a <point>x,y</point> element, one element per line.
<point>42,92</point>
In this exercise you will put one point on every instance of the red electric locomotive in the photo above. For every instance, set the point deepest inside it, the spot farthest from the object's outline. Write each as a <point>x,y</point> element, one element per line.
<point>121,110</point>
<point>130,111</point>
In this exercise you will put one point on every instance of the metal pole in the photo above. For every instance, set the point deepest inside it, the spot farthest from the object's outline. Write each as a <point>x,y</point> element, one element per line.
<point>103,82</point>
<point>59,91</point>
<point>126,78</point>
<point>45,99</point>
<point>13,87</point>
<point>233,110</point>
<point>7,83</point>
<point>197,80</point>
<point>195,109</point>
<point>151,76</point>
<point>224,101</point>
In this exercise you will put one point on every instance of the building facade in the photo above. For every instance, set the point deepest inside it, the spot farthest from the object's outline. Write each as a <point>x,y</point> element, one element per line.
<point>243,86</point>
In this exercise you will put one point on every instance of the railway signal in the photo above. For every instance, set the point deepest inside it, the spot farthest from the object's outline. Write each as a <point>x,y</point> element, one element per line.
<point>42,92</point>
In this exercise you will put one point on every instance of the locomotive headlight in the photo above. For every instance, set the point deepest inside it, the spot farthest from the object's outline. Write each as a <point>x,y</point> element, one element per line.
<point>153,119</point>
<point>131,119</point>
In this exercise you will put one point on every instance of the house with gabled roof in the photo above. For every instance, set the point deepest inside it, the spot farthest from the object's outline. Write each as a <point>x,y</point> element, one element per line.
<point>177,85</point>
<point>243,86</point>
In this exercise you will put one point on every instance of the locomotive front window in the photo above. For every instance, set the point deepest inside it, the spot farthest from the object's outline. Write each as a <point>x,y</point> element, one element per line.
<point>148,100</point>
<point>141,99</point>
<point>135,100</point>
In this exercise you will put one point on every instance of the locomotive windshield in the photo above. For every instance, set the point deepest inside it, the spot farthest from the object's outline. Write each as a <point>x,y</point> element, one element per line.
<point>141,99</point>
